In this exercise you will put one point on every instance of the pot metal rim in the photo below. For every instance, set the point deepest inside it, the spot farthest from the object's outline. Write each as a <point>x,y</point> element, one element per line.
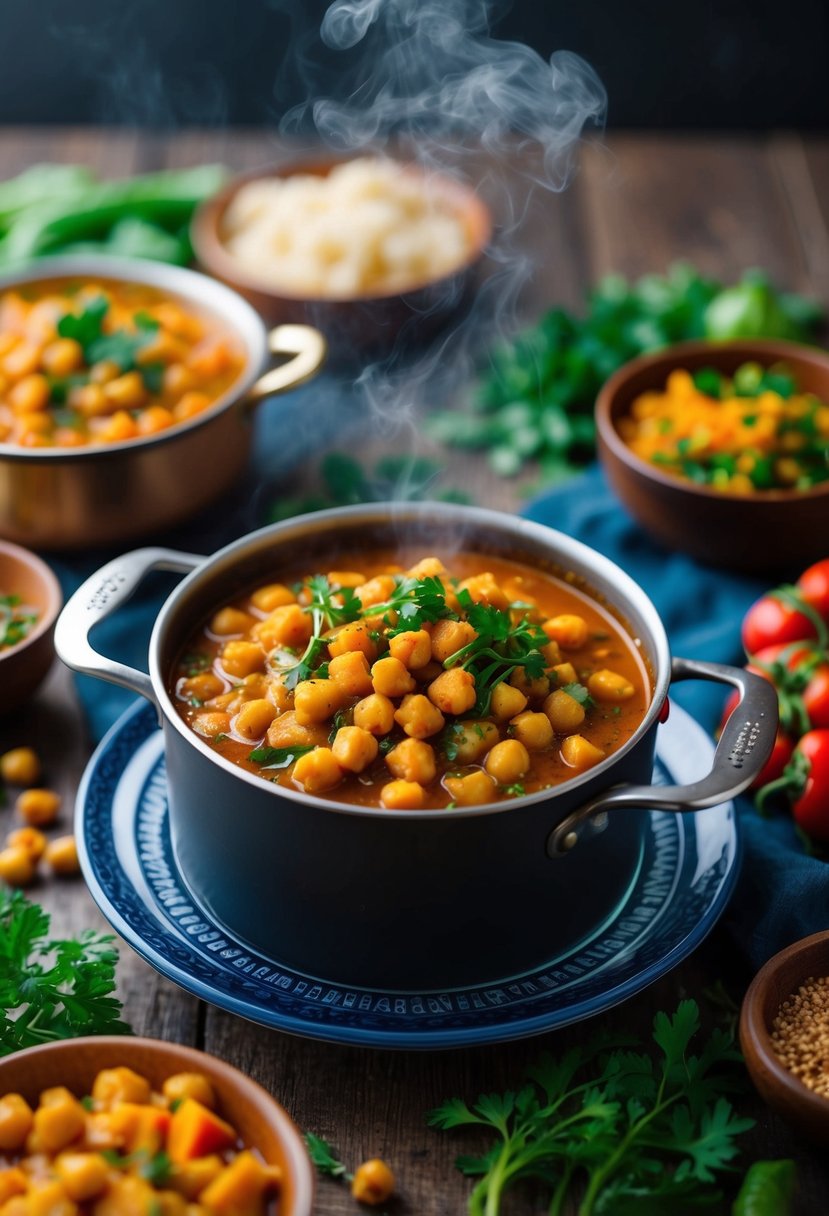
<point>562,549</point>
<point>191,285</point>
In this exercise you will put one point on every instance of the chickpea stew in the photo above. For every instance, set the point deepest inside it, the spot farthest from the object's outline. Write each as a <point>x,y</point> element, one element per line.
<point>124,1148</point>
<point>413,683</point>
<point>100,361</point>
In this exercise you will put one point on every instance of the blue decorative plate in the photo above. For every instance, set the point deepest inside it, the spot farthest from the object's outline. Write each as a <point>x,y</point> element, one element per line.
<point>688,870</point>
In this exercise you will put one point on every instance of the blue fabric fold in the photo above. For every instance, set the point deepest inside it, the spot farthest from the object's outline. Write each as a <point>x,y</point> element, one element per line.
<point>782,892</point>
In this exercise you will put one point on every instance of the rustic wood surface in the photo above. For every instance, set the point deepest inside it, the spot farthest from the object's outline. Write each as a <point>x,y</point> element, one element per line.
<point>637,204</point>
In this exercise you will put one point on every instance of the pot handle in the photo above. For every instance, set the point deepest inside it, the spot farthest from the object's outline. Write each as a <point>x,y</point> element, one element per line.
<point>309,349</point>
<point>744,747</point>
<point>102,593</point>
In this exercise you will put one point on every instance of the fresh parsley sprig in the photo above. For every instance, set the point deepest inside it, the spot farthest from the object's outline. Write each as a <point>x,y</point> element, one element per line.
<point>329,606</point>
<point>52,988</point>
<point>626,1131</point>
<point>324,1158</point>
<point>121,346</point>
<point>278,757</point>
<point>413,602</point>
<point>503,644</point>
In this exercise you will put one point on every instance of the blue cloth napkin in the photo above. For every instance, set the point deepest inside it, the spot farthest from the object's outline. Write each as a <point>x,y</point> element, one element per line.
<point>782,893</point>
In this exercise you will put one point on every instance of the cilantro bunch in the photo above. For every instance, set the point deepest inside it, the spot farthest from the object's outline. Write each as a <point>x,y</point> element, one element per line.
<point>52,988</point>
<point>502,646</point>
<point>624,1130</point>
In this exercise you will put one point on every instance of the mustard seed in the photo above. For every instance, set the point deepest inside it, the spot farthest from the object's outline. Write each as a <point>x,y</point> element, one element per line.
<point>800,1034</point>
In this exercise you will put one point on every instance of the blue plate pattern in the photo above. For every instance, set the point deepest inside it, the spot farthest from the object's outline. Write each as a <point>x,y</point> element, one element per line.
<point>688,869</point>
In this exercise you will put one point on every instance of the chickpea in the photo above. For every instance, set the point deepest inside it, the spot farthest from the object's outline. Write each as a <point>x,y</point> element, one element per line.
<point>412,760</point>
<point>605,685</point>
<point>316,701</point>
<point>534,690</point>
<point>202,687</point>
<point>351,672</point>
<point>287,731</point>
<point>16,1122</point>
<point>413,648</point>
<point>21,360</point>
<point>508,761</point>
<point>552,653</point>
<point>58,1120</point>
<point>195,1085</point>
<point>17,866</point>
<point>453,692</point>
<point>429,567</point>
<point>153,419</point>
<point>484,590</point>
<point>254,718</point>
<point>375,591</point>
<point>570,631</point>
<point>419,717</point>
<point>475,789</point>
<point>448,637</point>
<point>272,596</point>
<point>285,626</point>
<point>471,740</point>
<point>30,839</point>
<point>126,392</point>
<point>38,807</point>
<point>373,1182</point>
<point>120,426</point>
<point>82,1175</point>
<point>391,678</point>
<point>103,371</point>
<point>402,796</point>
<point>565,673</point>
<point>62,356</point>
<point>565,713</point>
<point>177,380</point>
<point>29,394</point>
<point>121,1084</point>
<point>533,730</point>
<point>354,636</point>
<point>20,766</point>
<point>62,855</point>
<point>375,713</point>
<point>507,701</point>
<point>345,578</point>
<point>579,752</point>
<point>211,724</point>
<point>89,400</point>
<point>190,405</point>
<point>241,659</point>
<point>317,771</point>
<point>354,748</point>
<point>229,621</point>
<point>13,1182</point>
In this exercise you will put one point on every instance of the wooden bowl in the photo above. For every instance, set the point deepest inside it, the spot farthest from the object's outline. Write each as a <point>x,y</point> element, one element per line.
<point>781,976</point>
<point>22,667</point>
<point>770,532</point>
<point>260,1121</point>
<point>359,325</point>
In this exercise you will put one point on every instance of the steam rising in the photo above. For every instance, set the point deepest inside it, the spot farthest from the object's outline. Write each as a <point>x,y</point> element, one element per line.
<point>425,80</point>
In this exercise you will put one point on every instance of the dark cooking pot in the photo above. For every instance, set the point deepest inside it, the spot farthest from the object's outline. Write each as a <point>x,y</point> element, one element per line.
<point>409,899</point>
<point>69,498</point>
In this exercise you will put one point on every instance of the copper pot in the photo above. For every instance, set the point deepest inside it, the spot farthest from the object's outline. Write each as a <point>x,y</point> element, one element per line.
<point>69,498</point>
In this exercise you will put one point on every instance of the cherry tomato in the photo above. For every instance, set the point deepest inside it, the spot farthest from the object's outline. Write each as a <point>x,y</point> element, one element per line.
<point>811,807</point>
<point>813,585</point>
<point>772,621</point>
<point>812,691</point>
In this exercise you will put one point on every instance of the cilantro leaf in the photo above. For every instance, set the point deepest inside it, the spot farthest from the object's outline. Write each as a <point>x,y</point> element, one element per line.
<point>278,757</point>
<point>323,1157</point>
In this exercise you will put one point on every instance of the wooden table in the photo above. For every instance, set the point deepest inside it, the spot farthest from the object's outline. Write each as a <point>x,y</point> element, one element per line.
<point>636,205</point>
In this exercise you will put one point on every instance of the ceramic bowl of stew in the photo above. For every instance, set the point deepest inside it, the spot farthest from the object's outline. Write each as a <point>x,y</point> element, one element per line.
<point>30,600</point>
<point>463,882</point>
<point>121,383</point>
<point>357,314</point>
<point>773,528</point>
<point>247,1117</point>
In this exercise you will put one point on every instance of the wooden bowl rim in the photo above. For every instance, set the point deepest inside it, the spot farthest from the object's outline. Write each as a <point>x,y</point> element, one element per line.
<point>667,358</point>
<point>754,1032</point>
<point>52,590</point>
<point>212,253</point>
<point>251,1092</point>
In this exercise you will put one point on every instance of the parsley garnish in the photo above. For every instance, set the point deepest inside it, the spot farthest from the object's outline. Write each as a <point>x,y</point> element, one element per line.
<point>413,601</point>
<point>340,719</point>
<point>278,757</point>
<point>502,646</point>
<point>52,988</point>
<point>323,1157</point>
<point>120,347</point>
<point>516,790</point>
<point>450,740</point>
<point>14,624</point>
<point>579,693</point>
<point>195,662</point>
<point>328,608</point>
<point>158,1170</point>
<point>617,1128</point>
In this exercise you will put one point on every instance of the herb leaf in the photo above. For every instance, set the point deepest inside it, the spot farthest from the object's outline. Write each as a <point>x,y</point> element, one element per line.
<point>323,1157</point>
<point>278,757</point>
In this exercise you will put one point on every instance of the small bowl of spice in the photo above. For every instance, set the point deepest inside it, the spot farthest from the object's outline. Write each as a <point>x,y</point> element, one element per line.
<point>30,600</point>
<point>784,1034</point>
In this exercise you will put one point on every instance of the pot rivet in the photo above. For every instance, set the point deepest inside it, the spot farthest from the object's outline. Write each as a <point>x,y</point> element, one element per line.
<point>569,842</point>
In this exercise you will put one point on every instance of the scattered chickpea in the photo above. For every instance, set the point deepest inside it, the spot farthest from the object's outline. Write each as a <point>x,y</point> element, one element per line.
<point>38,807</point>
<point>62,855</point>
<point>373,1182</point>
<point>30,839</point>
<point>17,867</point>
<point>20,766</point>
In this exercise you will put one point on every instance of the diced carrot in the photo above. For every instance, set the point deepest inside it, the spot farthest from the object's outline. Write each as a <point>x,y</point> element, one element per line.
<point>196,1131</point>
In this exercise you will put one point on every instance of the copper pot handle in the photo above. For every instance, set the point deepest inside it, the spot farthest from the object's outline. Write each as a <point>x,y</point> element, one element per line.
<point>744,747</point>
<point>308,348</point>
<point>102,593</point>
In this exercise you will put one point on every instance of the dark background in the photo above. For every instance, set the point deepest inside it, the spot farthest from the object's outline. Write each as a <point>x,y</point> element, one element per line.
<point>709,64</point>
